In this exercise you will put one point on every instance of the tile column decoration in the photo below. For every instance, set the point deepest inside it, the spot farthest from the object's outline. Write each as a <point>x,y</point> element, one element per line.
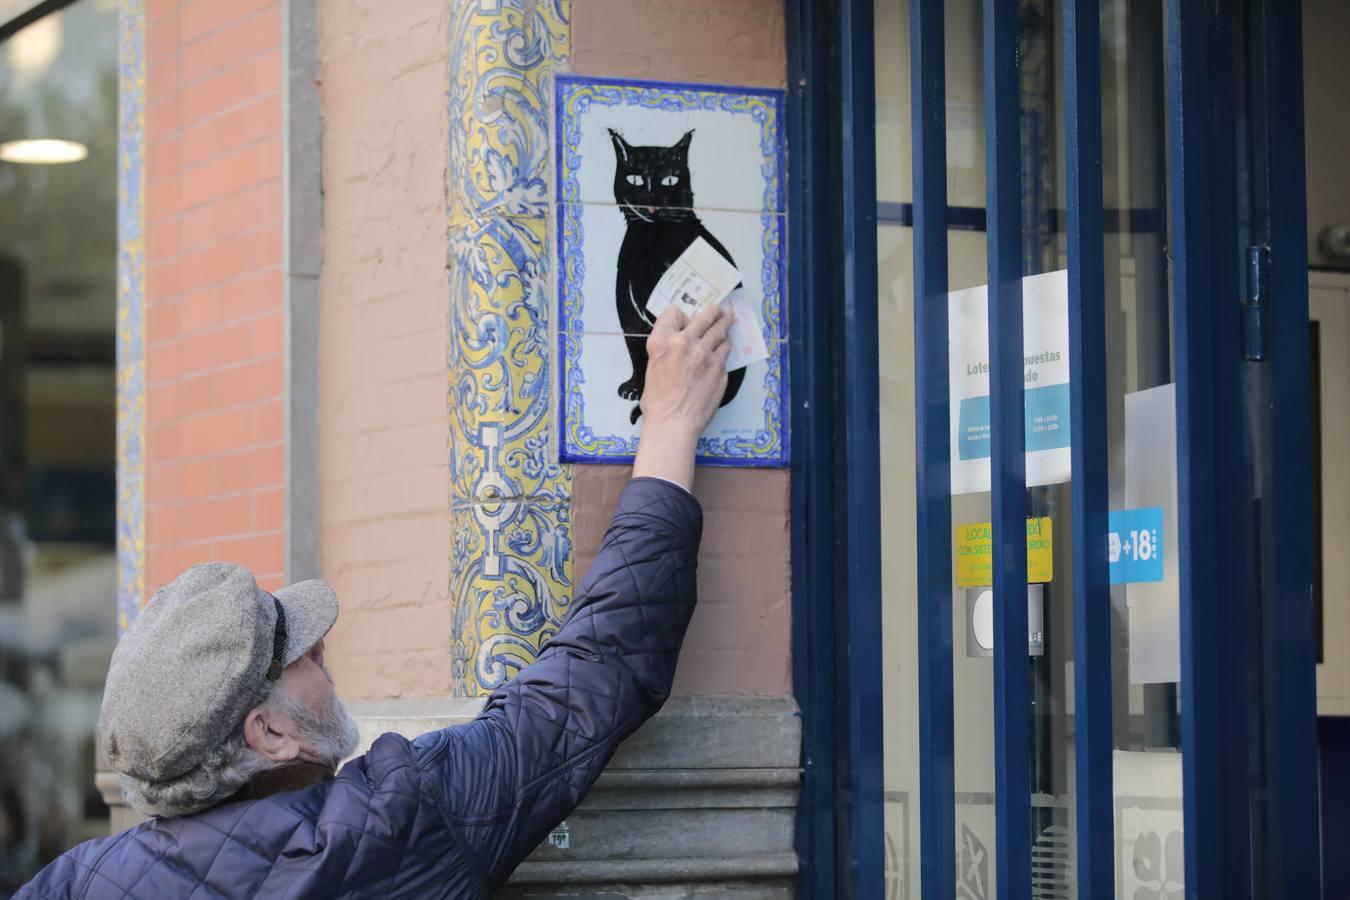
<point>131,313</point>
<point>510,503</point>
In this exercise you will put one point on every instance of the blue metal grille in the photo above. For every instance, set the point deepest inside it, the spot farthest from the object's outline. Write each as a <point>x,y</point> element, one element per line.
<point>937,802</point>
<point>1012,674</point>
<point>1087,411</point>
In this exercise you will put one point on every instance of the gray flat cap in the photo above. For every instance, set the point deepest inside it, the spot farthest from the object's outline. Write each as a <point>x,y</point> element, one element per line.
<point>193,663</point>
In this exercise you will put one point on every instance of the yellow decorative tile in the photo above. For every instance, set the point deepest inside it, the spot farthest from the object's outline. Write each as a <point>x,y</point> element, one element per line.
<point>511,565</point>
<point>510,498</point>
<point>501,360</point>
<point>502,59</point>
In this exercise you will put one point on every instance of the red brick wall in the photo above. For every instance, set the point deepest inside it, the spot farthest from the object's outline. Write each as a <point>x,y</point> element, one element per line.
<point>214,328</point>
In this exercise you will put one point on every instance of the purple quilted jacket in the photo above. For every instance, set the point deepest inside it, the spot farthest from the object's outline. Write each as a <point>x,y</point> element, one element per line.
<point>453,812</point>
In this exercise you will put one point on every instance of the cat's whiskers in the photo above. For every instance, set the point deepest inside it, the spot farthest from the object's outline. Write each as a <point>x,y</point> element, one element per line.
<point>636,212</point>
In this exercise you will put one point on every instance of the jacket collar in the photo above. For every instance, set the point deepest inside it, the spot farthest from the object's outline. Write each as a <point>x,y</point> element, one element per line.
<point>291,776</point>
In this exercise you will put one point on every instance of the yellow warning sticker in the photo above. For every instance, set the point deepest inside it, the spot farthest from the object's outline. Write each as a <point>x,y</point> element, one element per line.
<point>975,553</point>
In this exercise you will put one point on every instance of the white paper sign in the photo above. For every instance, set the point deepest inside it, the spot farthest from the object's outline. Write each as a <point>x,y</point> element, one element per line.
<point>560,838</point>
<point>1045,342</point>
<point>1151,482</point>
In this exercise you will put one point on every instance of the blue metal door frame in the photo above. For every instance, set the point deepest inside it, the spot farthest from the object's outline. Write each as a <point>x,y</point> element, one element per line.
<point>1212,468</point>
<point>1087,385</point>
<point>928,111</point>
<point>836,532</point>
<point>816,606</point>
<point>1287,824</point>
<point>1239,842</point>
<point>1007,463</point>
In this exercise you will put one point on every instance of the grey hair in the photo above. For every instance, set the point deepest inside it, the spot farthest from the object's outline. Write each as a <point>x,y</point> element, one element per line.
<point>215,779</point>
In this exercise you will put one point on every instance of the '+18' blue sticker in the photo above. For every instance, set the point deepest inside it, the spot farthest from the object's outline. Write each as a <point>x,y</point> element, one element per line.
<point>1135,545</point>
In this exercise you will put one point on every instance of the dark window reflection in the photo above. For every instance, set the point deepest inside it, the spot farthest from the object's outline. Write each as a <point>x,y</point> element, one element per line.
<point>58,241</point>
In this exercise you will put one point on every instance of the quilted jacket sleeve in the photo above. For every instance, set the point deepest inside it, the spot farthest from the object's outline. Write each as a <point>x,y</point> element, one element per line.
<point>508,778</point>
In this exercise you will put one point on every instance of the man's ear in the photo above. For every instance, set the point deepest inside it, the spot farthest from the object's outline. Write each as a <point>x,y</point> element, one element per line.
<point>268,735</point>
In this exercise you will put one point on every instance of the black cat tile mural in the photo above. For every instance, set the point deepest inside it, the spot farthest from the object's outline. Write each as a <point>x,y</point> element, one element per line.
<point>652,188</point>
<point>645,170</point>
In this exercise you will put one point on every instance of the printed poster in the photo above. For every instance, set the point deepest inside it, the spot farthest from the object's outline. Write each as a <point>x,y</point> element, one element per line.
<point>1045,341</point>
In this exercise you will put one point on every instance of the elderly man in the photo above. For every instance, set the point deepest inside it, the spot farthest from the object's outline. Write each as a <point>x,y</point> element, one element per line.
<point>225,725</point>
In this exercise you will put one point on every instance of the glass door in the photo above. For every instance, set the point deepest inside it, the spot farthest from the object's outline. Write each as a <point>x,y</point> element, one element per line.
<point>1094,584</point>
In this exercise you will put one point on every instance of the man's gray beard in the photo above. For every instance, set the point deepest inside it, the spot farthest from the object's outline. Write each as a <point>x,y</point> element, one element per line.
<point>331,733</point>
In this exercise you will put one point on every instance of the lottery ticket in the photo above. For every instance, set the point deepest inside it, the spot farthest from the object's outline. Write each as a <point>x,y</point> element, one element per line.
<point>702,276</point>
<point>747,332</point>
<point>699,277</point>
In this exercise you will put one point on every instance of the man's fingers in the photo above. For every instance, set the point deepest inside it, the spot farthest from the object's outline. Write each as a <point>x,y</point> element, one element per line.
<point>720,332</point>
<point>707,317</point>
<point>672,319</point>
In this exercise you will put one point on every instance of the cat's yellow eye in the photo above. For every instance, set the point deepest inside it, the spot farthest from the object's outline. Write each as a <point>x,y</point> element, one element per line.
<point>635,180</point>
<point>670,181</point>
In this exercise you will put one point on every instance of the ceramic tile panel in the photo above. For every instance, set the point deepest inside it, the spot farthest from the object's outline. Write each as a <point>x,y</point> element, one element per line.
<point>466,544</point>
<point>131,313</point>
<point>510,497</point>
<point>511,565</point>
<point>664,164</point>
<point>590,238</point>
<point>730,137</point>
<point>599,423</point>
<point>500,362</point>
<point>502,57</point>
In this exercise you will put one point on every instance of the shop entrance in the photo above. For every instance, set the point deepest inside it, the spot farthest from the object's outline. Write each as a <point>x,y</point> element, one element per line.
<point>1078,567</point>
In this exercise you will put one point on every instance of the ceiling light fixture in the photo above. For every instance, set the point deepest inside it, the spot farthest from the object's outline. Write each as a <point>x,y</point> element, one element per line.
<point>43,152</point>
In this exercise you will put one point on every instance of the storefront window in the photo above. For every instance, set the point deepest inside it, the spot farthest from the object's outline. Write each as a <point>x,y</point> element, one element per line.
<point>1145,651</point>
<point>58,240</point>
<point>972,676</point>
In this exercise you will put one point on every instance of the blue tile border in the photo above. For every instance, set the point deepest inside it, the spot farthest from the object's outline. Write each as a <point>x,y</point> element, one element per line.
<point>768,446</point>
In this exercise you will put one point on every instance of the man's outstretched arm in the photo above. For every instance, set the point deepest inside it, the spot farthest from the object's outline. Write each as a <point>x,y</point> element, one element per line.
<point>509,777</point>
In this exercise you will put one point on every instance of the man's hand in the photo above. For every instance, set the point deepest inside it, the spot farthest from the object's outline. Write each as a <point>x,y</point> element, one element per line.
<point>686,379</point>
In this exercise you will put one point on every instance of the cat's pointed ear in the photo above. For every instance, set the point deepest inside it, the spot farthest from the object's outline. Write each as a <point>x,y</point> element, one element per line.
<point>682,144</point>
<point>621,147</point>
